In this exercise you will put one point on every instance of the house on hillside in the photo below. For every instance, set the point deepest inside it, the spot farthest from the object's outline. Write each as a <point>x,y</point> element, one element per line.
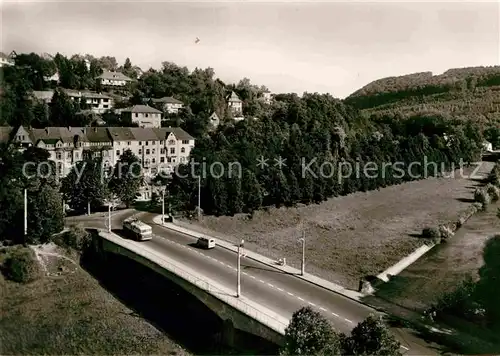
<point>5,60</point>
<point>487,146</point>
<point>170,105</point>
<point>54,78</point>
<point>143,115</point>
<point>235,104</point>
<point>213,121</point>
<point>98,103</point>
<point>267,97</point>
<point>113,79</point>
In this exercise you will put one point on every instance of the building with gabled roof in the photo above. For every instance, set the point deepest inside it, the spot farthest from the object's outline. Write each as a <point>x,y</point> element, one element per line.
<point>6,61</point>
<point>113,79</point>
<point>144,115</point>
<point>169,104</point>
<point>235,104</point>
<point>99,103</point>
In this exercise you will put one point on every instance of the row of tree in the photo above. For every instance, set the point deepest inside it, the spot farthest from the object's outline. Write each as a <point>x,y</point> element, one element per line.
<point>309,333</point>
<point>320,142</point>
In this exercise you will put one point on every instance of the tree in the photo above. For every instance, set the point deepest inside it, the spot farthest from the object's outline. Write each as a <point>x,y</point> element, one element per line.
<point>252,191</point>
<point>309,333</point>
<point>235,195</point>
<point>62,109</point>
<point>84,185</point>
<point>127,178</point>
<point>45,214</point>
<point>371,337</point>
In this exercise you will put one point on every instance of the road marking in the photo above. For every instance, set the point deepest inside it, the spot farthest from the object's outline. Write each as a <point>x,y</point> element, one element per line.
<point>290,294</point>
<point>281,290</point>
<point>335,314</point>
<point>253,277</point>
<point>261,281</point>
<point>312,304</point>
<point>246,274</point>
<point>300,298</point>
<point>270,285</point>
<point>349,321</point>
<point>404,347</point>
<point>321,308</point>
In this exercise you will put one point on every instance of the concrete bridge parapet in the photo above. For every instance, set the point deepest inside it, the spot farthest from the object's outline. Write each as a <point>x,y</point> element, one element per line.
<point>241,313</point>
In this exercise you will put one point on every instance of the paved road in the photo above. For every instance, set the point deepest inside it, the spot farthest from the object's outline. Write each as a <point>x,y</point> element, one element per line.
<point>268,286</point>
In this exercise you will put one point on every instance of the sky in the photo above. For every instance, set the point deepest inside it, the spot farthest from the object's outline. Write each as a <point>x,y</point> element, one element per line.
<point>293,46</point>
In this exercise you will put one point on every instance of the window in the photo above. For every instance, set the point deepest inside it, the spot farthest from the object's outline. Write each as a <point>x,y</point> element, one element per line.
<point>68,155</point>
<point>58,155</point>
<point>128,143</point>
<point>169,159</point>
<point>140,151</point>
<point>105,106</point>
<point>117,152</point>
<point>146,115</point>
<point>136,115</point>
<point>147,143</point>
<point>77,156</point>
<point>140,143</point>
<point>161,142</point>
<point>183,150</point>
<point>162,159</point>
<point>182,159</point>
<point>172,150</point>
<point>171,142</point>
<point>153,160</point>
<point>185,142</point>
<point>153,151</point>
<point>162,151</point>
<point>147,161</point>
<point>147,151</point>
<point>60,168</point>
<point>105,100</point>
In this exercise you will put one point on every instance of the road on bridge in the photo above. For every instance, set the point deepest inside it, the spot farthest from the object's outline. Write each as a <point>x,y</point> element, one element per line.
<point>268,286</point>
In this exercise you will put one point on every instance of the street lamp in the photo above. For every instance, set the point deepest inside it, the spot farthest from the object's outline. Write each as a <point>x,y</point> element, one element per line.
<point>199,198</point>
<point>162,189</point>
<point>25,212</point>
<point>238,285</point>
<point>110,201</point>
<point>303,240</point>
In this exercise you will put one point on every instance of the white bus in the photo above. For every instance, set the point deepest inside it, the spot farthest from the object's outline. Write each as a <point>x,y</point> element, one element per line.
<point>137,229</point>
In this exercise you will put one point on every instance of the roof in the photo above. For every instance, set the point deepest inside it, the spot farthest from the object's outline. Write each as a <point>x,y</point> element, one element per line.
<point>144,134</point>
<point>43,94</point>
<point>121,133</point>
<point>65,134</point>
<point>98,134</point>
<point>86,94</point>
<point>234,97</point>
<point>168,100</point>
<point>179,133</point>
<point>142,109</point>
<point>114,76</point>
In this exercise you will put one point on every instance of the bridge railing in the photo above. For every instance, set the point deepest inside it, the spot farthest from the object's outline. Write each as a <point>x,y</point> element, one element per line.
<point>272,320</point>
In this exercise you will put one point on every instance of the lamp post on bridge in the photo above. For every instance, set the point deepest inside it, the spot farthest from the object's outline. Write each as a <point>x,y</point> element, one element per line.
<point>303,240</point>
<point>111,200</point>
<point>238,285</point>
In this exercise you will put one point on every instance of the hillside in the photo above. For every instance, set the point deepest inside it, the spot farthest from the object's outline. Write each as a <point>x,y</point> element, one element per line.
<point>466,93</point>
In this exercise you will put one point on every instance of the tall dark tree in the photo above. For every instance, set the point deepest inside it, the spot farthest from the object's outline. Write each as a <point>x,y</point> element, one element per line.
<point>62,109</point>
<point>127,178</point>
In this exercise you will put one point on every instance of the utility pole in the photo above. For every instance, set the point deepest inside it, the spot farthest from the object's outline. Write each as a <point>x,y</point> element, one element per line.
<point>109,216</point>
<point>199,198</point>
<point>303,265</point>
<point>163,206</point>
<point>238,285</point>
<point>25,212</point>
<point>88,207</point>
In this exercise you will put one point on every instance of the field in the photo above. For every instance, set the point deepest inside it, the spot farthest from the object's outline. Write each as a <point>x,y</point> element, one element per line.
<point>68,313</point>
<point>353,236</point>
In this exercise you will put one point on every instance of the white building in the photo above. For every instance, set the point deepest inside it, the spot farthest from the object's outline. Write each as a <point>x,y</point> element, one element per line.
<point>113,79</point>
<point>267,97</point>
<point>235,104</point>
<point>143,115</point>
<point>5,60</point>
<point>98,103</point>
<point>487,146</point>
<point>213,121</point>
<point>170,105</point>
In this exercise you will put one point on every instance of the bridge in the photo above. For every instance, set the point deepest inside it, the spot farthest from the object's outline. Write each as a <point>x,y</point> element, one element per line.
<point>241,313</point>
<point>269,293</point>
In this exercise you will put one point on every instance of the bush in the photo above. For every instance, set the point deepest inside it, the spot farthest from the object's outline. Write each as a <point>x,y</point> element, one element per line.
<point>431,233</point>
<point>482,196</point>
<point>445,232</point>
<point>493,192</point>
<point>22,266</point>
<point>77,238</point>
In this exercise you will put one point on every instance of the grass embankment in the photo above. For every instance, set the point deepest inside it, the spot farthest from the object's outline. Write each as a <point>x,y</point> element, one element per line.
<point>350,237</point>
<point>67,312</point>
